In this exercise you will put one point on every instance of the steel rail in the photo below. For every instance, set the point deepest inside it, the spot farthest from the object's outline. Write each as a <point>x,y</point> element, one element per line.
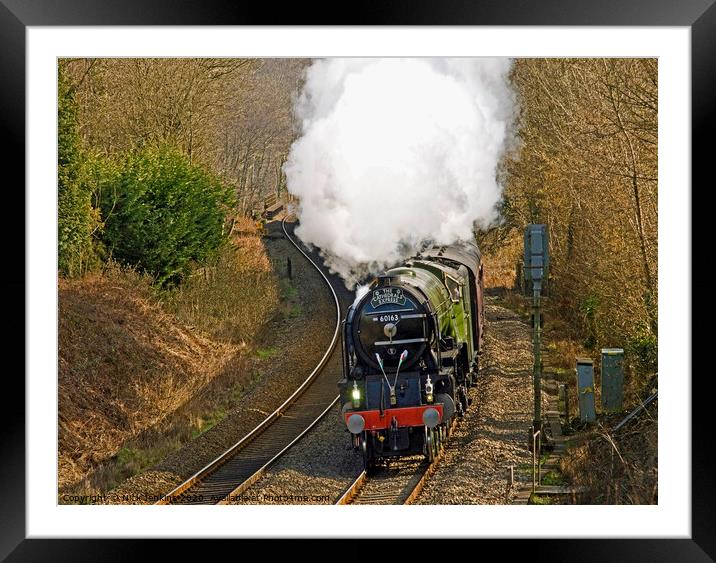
<point>353,489</point>
<point>260,472</point>
<point>211,467</point>
<point>422,472</point>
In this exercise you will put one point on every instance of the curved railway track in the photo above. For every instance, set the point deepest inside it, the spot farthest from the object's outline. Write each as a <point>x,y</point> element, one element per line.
<point>235,470</point>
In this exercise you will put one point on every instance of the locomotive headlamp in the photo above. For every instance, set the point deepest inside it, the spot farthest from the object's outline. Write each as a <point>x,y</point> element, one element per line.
<point>355,394</point>
<point>429,390</point>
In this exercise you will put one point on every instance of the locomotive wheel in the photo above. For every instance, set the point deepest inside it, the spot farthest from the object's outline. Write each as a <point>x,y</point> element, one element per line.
<point>429,445</point>
<point>438,441</point>
<point>464,403</point>
<point>367,450</point>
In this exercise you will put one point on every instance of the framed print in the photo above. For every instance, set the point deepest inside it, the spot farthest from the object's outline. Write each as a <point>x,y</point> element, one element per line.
<point>308,90</point>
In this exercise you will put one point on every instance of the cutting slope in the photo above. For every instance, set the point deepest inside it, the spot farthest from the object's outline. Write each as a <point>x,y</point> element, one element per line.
<point>124,365</point>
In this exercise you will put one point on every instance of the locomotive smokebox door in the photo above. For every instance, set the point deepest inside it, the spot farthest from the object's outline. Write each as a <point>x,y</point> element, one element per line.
<point>536,268</point>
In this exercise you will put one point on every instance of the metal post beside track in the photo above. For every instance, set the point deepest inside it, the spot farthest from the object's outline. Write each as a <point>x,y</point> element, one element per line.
<point>566,404</point>
<point>537,349</point>
<point>536,272</point>
<point>536,458</point>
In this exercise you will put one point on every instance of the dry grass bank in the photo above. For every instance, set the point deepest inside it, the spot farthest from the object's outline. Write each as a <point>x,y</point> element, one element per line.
<point>501,251</point>
<point>234,296</point>
<point>617,467</point>
<point>134,368</point>
<point>124,364</point>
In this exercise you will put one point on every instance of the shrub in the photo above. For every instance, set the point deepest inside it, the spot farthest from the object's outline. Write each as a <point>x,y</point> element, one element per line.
<point>589,307</point>
<point>77,219</point>
<point>162,214</point>
<point>643,347</point>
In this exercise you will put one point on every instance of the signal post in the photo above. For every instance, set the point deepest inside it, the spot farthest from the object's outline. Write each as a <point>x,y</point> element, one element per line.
<point>536,264</point>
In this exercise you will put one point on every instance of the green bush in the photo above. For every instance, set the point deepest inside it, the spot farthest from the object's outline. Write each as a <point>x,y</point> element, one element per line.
<point>644,348</point>
<point>161,214</point>
<point>588,307</point>
<point>77,219</point>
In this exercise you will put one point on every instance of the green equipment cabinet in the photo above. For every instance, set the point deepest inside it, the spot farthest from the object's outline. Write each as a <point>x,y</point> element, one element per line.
<point>612,379</point>
<point>585,389</point>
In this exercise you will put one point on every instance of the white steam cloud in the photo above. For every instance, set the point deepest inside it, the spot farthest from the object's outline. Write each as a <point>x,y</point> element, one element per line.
<point>396,153</point>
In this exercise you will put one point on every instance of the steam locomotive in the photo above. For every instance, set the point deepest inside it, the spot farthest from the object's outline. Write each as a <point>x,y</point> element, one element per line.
<point>411,346</point>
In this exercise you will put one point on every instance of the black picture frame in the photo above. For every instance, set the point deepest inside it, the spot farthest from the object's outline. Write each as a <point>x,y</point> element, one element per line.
<point>16,15</point>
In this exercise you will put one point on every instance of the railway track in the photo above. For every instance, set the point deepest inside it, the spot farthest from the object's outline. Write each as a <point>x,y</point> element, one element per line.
<point>235,470</point>
<point>400,482</point>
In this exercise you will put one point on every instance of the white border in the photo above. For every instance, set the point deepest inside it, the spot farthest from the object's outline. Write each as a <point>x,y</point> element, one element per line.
<point>671,518</point>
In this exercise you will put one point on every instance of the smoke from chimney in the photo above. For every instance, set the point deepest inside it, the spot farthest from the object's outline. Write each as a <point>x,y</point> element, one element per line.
<point>396,153</point>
